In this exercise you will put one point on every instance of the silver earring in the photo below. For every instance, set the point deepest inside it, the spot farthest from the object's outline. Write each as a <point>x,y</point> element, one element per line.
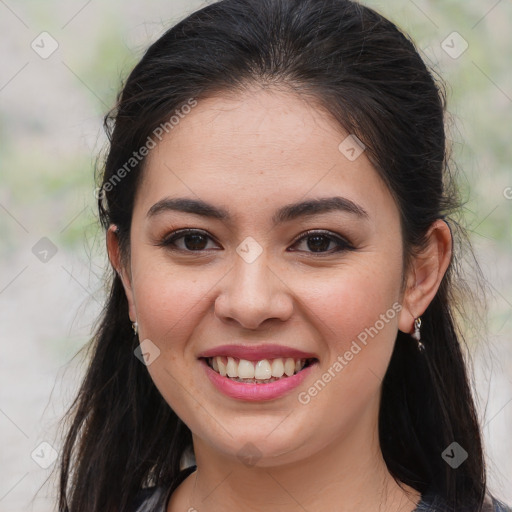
<point>135,327</point>
<point>416,335</point>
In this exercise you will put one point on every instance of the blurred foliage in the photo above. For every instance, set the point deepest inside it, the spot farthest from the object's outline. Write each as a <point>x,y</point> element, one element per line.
<point>478,83</point>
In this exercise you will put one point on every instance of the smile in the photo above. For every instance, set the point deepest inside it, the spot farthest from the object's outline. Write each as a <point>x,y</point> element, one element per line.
<point>289,373</point>
<point>263,371</point>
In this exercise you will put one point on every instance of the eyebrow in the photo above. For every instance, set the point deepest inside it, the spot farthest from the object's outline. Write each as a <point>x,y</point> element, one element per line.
<point>286,213</point>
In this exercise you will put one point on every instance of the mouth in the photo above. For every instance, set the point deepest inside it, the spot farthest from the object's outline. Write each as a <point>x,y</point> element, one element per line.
<point>263,371</point>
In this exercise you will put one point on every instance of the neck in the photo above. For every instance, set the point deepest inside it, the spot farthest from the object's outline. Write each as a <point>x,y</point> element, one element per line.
<point>348,474</point>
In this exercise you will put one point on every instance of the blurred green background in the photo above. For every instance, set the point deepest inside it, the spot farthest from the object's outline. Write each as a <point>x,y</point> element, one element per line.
<point>51,113</point>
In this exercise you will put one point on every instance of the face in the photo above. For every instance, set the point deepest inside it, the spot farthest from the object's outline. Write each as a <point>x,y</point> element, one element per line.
<point>255,277</point>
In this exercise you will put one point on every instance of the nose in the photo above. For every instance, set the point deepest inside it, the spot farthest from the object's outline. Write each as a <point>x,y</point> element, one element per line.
<point>254,293</point>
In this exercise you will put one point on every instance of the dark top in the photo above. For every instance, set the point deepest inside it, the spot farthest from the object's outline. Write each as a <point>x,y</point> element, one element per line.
<point>156,499</point>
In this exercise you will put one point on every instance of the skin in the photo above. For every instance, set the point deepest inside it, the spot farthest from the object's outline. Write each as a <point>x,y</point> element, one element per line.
<point>253,153</point>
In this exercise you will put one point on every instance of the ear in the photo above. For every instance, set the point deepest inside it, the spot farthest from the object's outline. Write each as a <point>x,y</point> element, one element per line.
<point>425,274</point>
<point>114,256</point>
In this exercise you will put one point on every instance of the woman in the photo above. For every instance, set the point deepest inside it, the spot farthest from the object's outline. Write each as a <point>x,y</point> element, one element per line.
<point>277,202</point>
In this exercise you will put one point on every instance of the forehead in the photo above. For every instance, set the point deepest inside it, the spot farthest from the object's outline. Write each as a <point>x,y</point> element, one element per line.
<point>264,146</point>
<point>271,125</point>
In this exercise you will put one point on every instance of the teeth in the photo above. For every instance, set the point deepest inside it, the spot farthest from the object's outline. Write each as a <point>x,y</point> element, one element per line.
<point>266,370</point>
<point>232,368</point>
<point>277,368</point>
<point>263,370</point>
<point>289,367</point>
<point>222,366</point>
<point>245,369</point>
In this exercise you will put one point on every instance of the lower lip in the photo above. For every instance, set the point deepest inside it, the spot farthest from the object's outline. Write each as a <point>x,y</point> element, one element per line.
<point>255,392</point>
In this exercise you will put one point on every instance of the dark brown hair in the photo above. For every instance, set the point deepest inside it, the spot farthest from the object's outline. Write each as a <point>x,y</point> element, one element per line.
<point>369,76</point>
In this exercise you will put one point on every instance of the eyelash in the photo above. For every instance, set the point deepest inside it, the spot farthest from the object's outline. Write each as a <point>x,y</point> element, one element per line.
<point>343,245</point>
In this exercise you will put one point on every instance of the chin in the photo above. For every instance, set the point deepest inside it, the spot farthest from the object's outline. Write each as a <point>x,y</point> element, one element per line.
<point>263,447</point>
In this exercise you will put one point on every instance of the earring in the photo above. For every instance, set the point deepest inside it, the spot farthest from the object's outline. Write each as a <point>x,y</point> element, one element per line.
<point>416,335</point>
<point>135,327</point>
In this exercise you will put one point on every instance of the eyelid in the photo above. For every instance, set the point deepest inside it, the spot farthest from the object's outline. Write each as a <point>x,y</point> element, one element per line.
<point>326,233</point>
<point>178,233</point>
<point>343,244</point>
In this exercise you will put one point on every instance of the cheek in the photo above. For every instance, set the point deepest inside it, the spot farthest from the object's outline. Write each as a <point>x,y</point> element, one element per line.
<point>357,321</point>
<point>168,302</point>
<point>349,303</point>
<point>356,314</point>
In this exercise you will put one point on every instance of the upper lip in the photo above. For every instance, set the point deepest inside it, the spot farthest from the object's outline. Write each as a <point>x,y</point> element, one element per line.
<point>257,352</point>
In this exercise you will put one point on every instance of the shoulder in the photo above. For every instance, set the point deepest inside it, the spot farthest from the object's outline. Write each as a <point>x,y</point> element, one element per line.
<point>432,502</point>
<point>151,499</point>
<point>498,506</point>
<point>155,499</point>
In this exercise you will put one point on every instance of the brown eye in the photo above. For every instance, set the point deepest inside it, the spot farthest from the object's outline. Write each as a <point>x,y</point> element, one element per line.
<point>193,240</point>
<point>320,241</point>
<point>316,242</point>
